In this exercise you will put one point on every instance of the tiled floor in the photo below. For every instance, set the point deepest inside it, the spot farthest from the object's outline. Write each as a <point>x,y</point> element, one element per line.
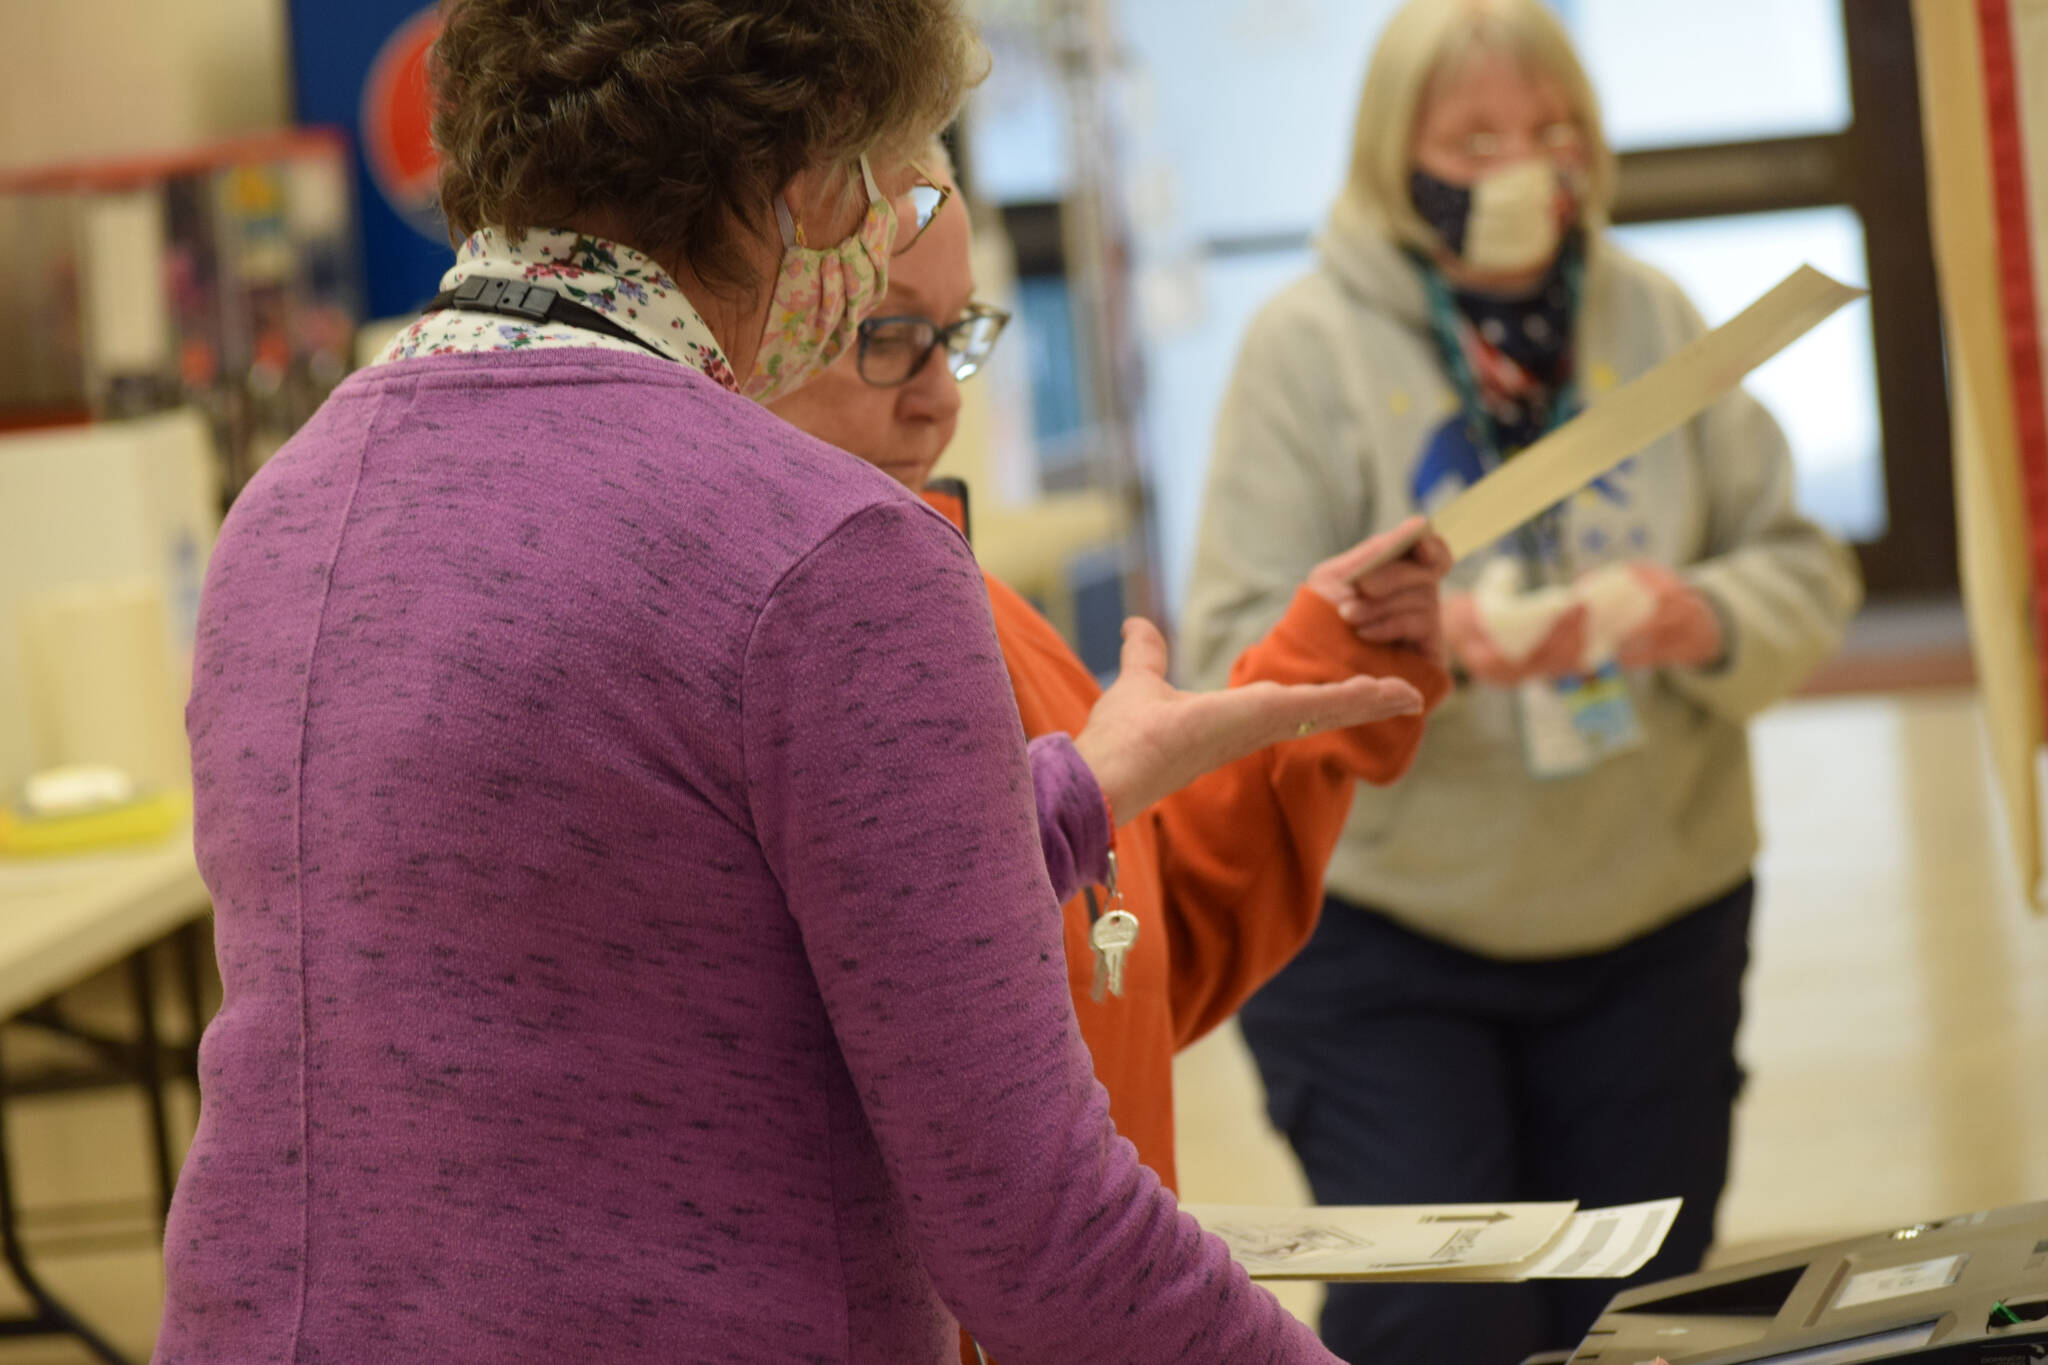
<point>1898,1028</point>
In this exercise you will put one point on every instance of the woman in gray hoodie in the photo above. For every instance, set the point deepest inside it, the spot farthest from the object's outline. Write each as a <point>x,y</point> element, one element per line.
<point>1527,979</point>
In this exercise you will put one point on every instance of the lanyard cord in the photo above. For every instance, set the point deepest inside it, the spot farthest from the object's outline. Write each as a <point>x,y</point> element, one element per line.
<point>533,303</point>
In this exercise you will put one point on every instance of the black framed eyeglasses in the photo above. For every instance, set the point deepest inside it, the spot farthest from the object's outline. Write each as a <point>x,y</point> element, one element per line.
<point>893,350</point>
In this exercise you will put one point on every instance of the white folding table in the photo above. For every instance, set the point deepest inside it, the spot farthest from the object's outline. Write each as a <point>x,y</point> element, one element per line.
<point>63,919</point>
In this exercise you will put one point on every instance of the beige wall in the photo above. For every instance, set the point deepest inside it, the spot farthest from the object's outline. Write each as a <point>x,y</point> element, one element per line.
<point>96,78</point>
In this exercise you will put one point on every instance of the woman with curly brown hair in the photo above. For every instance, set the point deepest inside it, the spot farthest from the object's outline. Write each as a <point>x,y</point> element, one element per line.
<point>636,937</point>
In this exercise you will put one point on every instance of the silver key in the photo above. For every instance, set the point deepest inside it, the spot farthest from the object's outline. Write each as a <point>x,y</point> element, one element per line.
<point>1111,937</point>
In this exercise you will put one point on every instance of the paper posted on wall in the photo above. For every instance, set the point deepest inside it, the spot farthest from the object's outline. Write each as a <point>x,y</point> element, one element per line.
<point>1501,1243</point>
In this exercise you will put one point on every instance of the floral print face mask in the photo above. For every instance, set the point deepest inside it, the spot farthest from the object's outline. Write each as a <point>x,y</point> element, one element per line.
<point>822,295</point>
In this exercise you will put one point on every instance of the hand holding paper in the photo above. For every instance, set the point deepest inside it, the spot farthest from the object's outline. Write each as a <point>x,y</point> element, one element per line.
<point>1394,600</point>
<point>1680,628</point>
<point>1639,613</point>
<point>1495,643</point>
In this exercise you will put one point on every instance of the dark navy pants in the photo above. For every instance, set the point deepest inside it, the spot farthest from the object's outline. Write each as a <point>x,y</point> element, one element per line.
<point>1406,1071</point>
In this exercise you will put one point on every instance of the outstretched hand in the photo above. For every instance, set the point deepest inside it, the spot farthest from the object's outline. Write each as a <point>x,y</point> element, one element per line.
<point>1146,739</point>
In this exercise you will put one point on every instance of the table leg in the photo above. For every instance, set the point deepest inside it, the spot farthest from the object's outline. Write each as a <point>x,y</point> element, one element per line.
<point>51,1317</point>
<point>149,1061</point>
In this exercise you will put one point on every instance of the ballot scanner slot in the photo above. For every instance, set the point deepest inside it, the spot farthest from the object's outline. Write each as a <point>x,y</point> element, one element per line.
<point>1759,1296</point>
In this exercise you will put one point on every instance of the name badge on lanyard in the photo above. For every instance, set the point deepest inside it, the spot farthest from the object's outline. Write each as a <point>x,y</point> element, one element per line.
<point>1571,725</point>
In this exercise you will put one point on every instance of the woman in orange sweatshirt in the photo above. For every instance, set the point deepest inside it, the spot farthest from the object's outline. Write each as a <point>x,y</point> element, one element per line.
<point>1223,834</point>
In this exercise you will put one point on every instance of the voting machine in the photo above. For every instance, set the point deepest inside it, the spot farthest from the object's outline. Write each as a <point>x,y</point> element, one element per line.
<point>1971,1290</point>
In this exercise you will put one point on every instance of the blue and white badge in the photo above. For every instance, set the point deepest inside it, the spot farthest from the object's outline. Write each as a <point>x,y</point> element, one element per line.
<point>1572,725</point>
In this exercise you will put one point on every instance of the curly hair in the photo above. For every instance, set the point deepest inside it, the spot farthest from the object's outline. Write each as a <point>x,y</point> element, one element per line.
<point>680,120</point>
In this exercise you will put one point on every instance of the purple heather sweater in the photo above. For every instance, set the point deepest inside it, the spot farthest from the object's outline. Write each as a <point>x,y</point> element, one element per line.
<point>637,940</point>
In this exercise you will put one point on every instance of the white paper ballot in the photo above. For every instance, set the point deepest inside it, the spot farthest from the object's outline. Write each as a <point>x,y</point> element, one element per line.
<point>1323,1243</point>
<point>1595,1244</point>
<point>1337,1242</point>
<point>1669,395</point>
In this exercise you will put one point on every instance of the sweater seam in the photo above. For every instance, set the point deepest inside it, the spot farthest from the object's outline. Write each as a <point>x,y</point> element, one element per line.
<point>747,778</point>
<point>299,885</point>
<point>531,368</point>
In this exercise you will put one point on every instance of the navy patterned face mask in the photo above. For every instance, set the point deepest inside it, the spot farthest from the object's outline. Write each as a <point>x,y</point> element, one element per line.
<point>1447,208</point>
<point>1509,221</point>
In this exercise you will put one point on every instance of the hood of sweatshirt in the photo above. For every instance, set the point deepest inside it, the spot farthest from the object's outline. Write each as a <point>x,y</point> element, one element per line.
<point>1371,266</point>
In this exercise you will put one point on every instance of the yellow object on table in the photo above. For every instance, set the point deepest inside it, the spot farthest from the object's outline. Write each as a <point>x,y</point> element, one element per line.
<point>145,820</point>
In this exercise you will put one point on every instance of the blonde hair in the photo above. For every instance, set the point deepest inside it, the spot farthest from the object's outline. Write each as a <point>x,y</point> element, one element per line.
<point>1425,37</point>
